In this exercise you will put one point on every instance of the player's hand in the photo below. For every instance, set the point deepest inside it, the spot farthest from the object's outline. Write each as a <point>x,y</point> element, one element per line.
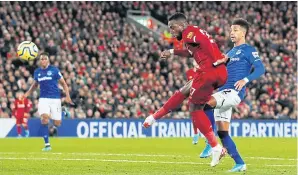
<point>68,100</point>
<point>240,84</point>
<point>149,121</point>
<point>221,61</point>
<point>26,114</point>
<point>165,54</point>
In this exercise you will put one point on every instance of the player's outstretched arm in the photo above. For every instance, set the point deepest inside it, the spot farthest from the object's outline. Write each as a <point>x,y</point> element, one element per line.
<point>224,60</point>
<point>167,53</point>
<point>182,53</point>
<point>32,88</point>
<point>66,90</point>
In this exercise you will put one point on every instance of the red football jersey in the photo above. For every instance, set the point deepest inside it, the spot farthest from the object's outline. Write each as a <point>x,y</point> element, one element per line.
<point>190,74</point>
<point>201,46</point>
<point>21,107</point>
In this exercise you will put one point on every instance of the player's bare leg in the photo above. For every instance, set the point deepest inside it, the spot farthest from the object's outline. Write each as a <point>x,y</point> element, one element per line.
<point>202,122</point>
<point>174,101</point>
<point>45,131</point>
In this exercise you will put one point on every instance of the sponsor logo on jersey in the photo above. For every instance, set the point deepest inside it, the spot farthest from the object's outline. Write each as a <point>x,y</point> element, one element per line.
<point>21,105</point>
<point>190,35</point>
<point>255,54</point>
<point>234,59</point>
<point>44,78</point>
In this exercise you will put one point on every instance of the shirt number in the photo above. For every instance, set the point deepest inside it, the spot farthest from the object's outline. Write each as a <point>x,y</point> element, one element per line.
<point>206,34</point>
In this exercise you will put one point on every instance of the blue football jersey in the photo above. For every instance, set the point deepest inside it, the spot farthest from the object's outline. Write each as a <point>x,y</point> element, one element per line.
<point>48,80</point>
<point>242,59</point>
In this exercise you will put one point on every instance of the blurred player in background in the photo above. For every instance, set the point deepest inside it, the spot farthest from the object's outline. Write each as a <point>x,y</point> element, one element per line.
<point>21,110</point>
<point>204,50</point>
<point>49,105</point>
<point>242,58</point>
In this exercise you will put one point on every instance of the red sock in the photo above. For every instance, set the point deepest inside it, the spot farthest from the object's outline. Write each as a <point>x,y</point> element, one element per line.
<point>202,122</point>
<point>171,104</point>
<point>195,129</point>
<point>19,129</point>
<point>25,127</point>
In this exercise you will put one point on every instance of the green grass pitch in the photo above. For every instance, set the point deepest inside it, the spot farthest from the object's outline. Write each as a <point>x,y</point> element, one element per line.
<point>141,156</point>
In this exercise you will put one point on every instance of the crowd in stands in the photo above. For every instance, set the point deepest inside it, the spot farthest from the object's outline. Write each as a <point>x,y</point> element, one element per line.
<point>113,68</point>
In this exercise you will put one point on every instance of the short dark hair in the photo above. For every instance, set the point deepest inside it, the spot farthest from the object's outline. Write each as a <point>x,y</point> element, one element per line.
<point>243,23</point>
<point>44,54</point>
<point>177,16</point>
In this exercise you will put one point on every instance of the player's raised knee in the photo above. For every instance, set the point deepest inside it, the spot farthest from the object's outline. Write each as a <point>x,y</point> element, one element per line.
<point>194,107</point>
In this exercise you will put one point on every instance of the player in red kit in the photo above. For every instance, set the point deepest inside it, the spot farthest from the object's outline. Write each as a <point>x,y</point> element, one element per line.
<point>21,110</point>
<point>205,52</point>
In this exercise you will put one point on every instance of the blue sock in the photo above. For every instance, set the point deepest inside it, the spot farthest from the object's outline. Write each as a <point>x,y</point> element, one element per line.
<point>228,143</point>
<point>45,134</point>
<point>209,113</point>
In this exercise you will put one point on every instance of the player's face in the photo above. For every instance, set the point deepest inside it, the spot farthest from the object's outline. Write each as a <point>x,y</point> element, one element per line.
<point>176,29</point>
<point>20,95</point>
<point>44,61</point>
<point>236,33</point>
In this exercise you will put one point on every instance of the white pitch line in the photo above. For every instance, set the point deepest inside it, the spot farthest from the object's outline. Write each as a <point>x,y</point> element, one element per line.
<point>129,155</point>
<point>282,165</point>
<point>99,154</point>
<point>270,158</point>
<point>123,161</point>
<point>103,160</point>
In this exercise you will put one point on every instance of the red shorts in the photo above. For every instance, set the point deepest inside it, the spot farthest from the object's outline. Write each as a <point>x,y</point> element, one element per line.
<point>205,83</point>
<point>22,120</point>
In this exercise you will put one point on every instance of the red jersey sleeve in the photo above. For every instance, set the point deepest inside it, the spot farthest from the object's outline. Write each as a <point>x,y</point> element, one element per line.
<point>183,53</point>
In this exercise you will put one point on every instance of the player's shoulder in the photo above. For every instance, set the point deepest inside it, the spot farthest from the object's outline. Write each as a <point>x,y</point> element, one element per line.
<point>190,30</point>
<point>51,67</point>
<point>248,48</point>
<point>251,51</point>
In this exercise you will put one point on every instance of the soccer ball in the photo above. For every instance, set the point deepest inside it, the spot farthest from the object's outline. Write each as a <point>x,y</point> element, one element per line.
<point>27,51</point>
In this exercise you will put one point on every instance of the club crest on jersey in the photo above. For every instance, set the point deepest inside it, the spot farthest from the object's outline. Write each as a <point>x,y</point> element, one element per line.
<point>189,35</point>
<point>49,73</point>
<point>238,52</point>
<point>255,54</point>
<point>38,74</point>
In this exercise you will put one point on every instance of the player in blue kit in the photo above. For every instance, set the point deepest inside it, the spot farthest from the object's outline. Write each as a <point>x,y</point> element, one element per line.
<point>241,59</point>
<point>49,105</point>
